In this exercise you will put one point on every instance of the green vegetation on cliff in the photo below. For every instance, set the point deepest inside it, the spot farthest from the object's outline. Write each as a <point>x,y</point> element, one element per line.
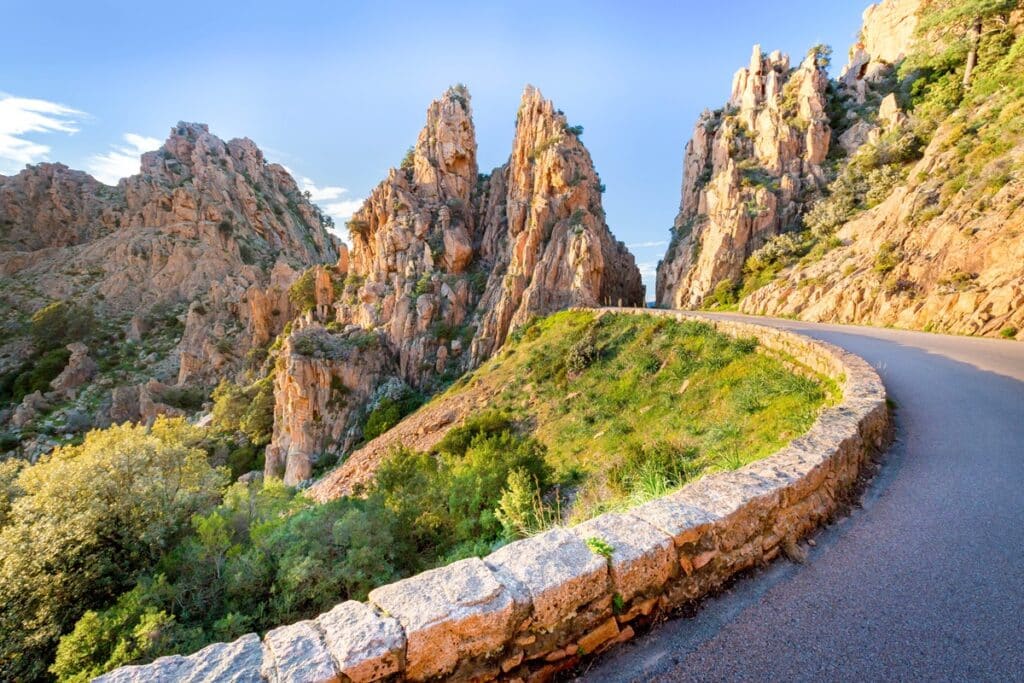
<point>629,407</point>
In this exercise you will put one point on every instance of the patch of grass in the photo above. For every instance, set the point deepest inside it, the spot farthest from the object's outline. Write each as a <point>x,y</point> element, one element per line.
<point>660,403</point>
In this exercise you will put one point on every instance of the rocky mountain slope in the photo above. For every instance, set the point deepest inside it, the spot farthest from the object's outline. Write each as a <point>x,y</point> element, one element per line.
<point>444,263</point>
<point>907,205</point>
<point>175,274</point>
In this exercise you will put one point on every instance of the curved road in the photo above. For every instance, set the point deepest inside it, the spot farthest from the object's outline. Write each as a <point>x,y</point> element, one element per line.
<point>924,582</point>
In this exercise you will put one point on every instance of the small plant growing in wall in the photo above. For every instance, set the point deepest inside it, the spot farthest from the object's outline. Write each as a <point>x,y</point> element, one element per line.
<point>424,285</point>
<point>601,547</point>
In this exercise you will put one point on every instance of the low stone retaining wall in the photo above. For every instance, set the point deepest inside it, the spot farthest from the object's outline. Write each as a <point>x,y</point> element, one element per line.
<point>537,606</point>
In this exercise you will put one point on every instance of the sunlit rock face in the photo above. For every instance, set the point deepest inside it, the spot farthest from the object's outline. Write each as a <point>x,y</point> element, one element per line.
<point>445,262</point>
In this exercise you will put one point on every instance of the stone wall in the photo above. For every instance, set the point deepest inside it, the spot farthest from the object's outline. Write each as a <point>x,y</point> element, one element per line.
<point>540,605</point>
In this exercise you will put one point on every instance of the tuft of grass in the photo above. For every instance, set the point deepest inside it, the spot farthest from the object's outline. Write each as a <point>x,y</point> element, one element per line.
<point>601,547</point>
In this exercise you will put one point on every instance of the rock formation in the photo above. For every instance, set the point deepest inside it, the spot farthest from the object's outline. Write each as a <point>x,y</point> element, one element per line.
<point>884,41</point>
<point>445,262</point>
<point>544,233</point>
<point>207,236</point>
<point>748,173</point>
<point>933,240</point>
<point>322,382</point>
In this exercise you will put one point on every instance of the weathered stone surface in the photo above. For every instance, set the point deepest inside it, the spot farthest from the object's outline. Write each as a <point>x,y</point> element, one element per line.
<point>590,642</point>
<point>643,558</point>
<point>676,516</point>
<point>460,611</point>
<point>324,380</point>
<point>237,662</point>
<point>884,40</point>
<point>554,571</point>
<point>366,646</point>
<point>749,172</point>
<point>79,370</point>
<point>297,654</point>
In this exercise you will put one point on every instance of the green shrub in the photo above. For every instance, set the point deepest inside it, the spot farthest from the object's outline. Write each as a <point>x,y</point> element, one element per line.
<point>248,409</point>
<point>581,354</point>
<point>34,375</point>
<point>390,412</point>
<point>408,159</point>
<point>724,294</point>
<point>188,398</point>
<point>886,258</point>
<point>424,285</point>
<point>60,323</point>
<point>1009,332</point>
<point>302,293</point>
<point>89,519</point>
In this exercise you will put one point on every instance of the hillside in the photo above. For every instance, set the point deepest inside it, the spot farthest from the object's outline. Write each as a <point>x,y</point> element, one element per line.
<point>163,283</point>
<point>891,195</point>
<point>625,407</point>
<point>193,559</point>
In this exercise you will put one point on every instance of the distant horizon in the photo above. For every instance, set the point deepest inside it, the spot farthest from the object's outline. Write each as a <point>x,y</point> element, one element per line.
<point>336,95</point>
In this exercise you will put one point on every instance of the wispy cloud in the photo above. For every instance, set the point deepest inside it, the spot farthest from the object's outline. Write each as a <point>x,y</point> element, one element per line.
<point>123,160</point>
<point>21,117</point>
<point>320,194</point>
<point>647,245</point>
<point>331,198</point>
<point>647,270</point>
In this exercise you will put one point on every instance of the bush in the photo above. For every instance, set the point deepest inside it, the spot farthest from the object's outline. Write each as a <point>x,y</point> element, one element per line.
<point>249,409</point>
<point>581,354</point>
<point>724,294</point>
<point>521,510</point>
<point>90,518</point>
<point>389,412</point>
<point>59,324</point>
<point>302,293</point>
<point>886,259</point>
<point>34,375</point>
<point>1009,332</point>
<point>424,285</point>
<point>187,398</point>
<point>408,159</point>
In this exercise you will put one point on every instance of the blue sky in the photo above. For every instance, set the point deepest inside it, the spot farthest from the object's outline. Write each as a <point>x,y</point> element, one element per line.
<point>337,91</point>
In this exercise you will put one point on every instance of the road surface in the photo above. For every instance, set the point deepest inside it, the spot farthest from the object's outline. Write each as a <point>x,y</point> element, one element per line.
<point>924,582</point>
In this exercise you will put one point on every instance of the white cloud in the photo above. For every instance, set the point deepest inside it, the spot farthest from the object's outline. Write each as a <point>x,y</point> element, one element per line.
<point>344,209</point>
<point>647,245</point>
<point>647,270</point>
<point>320,194</point>
<point>331,200</point>
<point>123,160</point>
<point>21,116</point>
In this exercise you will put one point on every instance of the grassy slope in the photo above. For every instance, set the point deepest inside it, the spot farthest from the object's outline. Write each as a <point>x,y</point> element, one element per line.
<point>662,402</point>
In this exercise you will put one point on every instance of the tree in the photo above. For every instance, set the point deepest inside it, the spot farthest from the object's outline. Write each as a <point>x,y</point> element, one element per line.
<point>89,518</point>
<point>60,323</point>
<point>958,25</point>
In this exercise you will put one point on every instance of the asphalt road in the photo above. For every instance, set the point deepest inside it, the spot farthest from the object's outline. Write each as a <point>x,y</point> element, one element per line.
<point>924,582</point>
